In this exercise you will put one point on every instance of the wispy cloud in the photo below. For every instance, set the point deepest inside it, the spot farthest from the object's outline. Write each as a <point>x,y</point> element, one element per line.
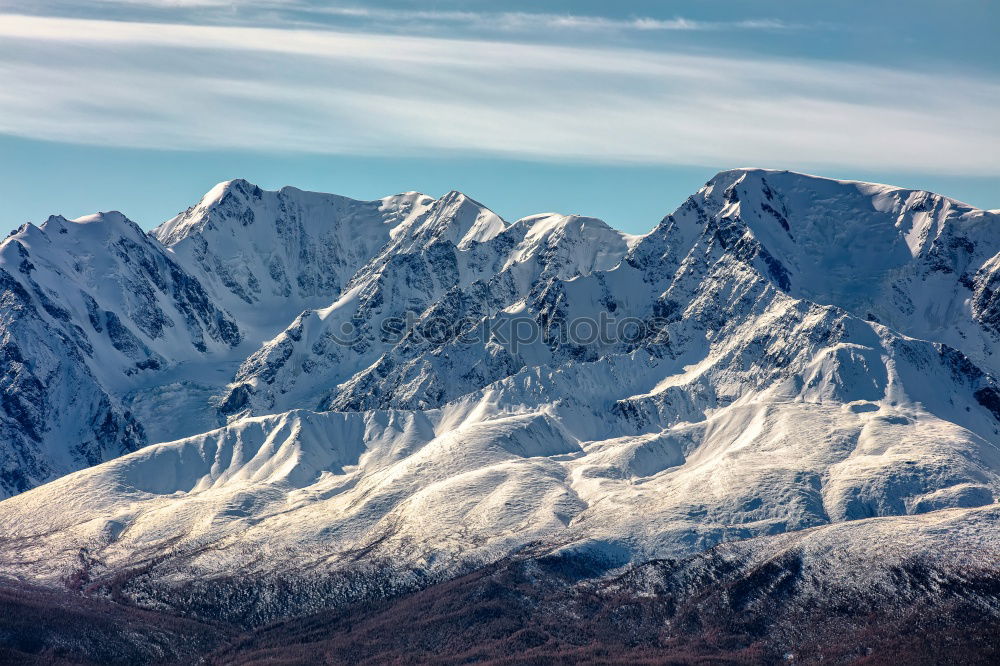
<point>205,87</point>
<point>542,21</point>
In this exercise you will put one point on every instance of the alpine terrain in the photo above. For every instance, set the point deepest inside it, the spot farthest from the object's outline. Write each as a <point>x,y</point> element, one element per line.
<point>292,427</point>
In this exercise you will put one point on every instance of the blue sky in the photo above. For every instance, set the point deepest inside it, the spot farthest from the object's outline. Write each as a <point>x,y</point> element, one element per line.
<point>617,110</point>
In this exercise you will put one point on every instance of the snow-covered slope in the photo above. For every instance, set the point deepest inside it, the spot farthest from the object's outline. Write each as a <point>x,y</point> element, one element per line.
<point>768,392</point>
<point>444,490</point>
<point>799,352</point>
<point>921,263</point>
<point>270,255</point>
<point>90,308</point>
<point>449,272</point>
<point>115,339</point>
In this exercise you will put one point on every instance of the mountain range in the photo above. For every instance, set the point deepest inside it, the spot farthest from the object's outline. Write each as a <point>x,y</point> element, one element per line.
<point>281,415</point>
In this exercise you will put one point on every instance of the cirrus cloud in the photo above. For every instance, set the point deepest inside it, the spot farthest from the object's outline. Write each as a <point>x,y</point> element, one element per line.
<point>170,86</point>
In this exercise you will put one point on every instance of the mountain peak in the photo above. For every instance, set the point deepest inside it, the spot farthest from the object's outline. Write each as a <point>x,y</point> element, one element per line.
<point>784,180</point>
<point>229,194</point>
<point>239,186</point>
<point>455,217</point>
<point>102,225</point>
<point>113,217</point>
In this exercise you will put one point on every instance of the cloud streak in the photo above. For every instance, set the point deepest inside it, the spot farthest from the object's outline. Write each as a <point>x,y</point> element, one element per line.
<point>542,21</point>
<point>174,86</point>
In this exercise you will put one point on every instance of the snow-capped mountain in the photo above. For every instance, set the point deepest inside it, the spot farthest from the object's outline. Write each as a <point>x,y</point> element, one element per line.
<point>800,353</point>
<point>115,339</point>
<point>270,255</point>
<point>918,262</point>
<point>91,308</point>
<point>453,277</point>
